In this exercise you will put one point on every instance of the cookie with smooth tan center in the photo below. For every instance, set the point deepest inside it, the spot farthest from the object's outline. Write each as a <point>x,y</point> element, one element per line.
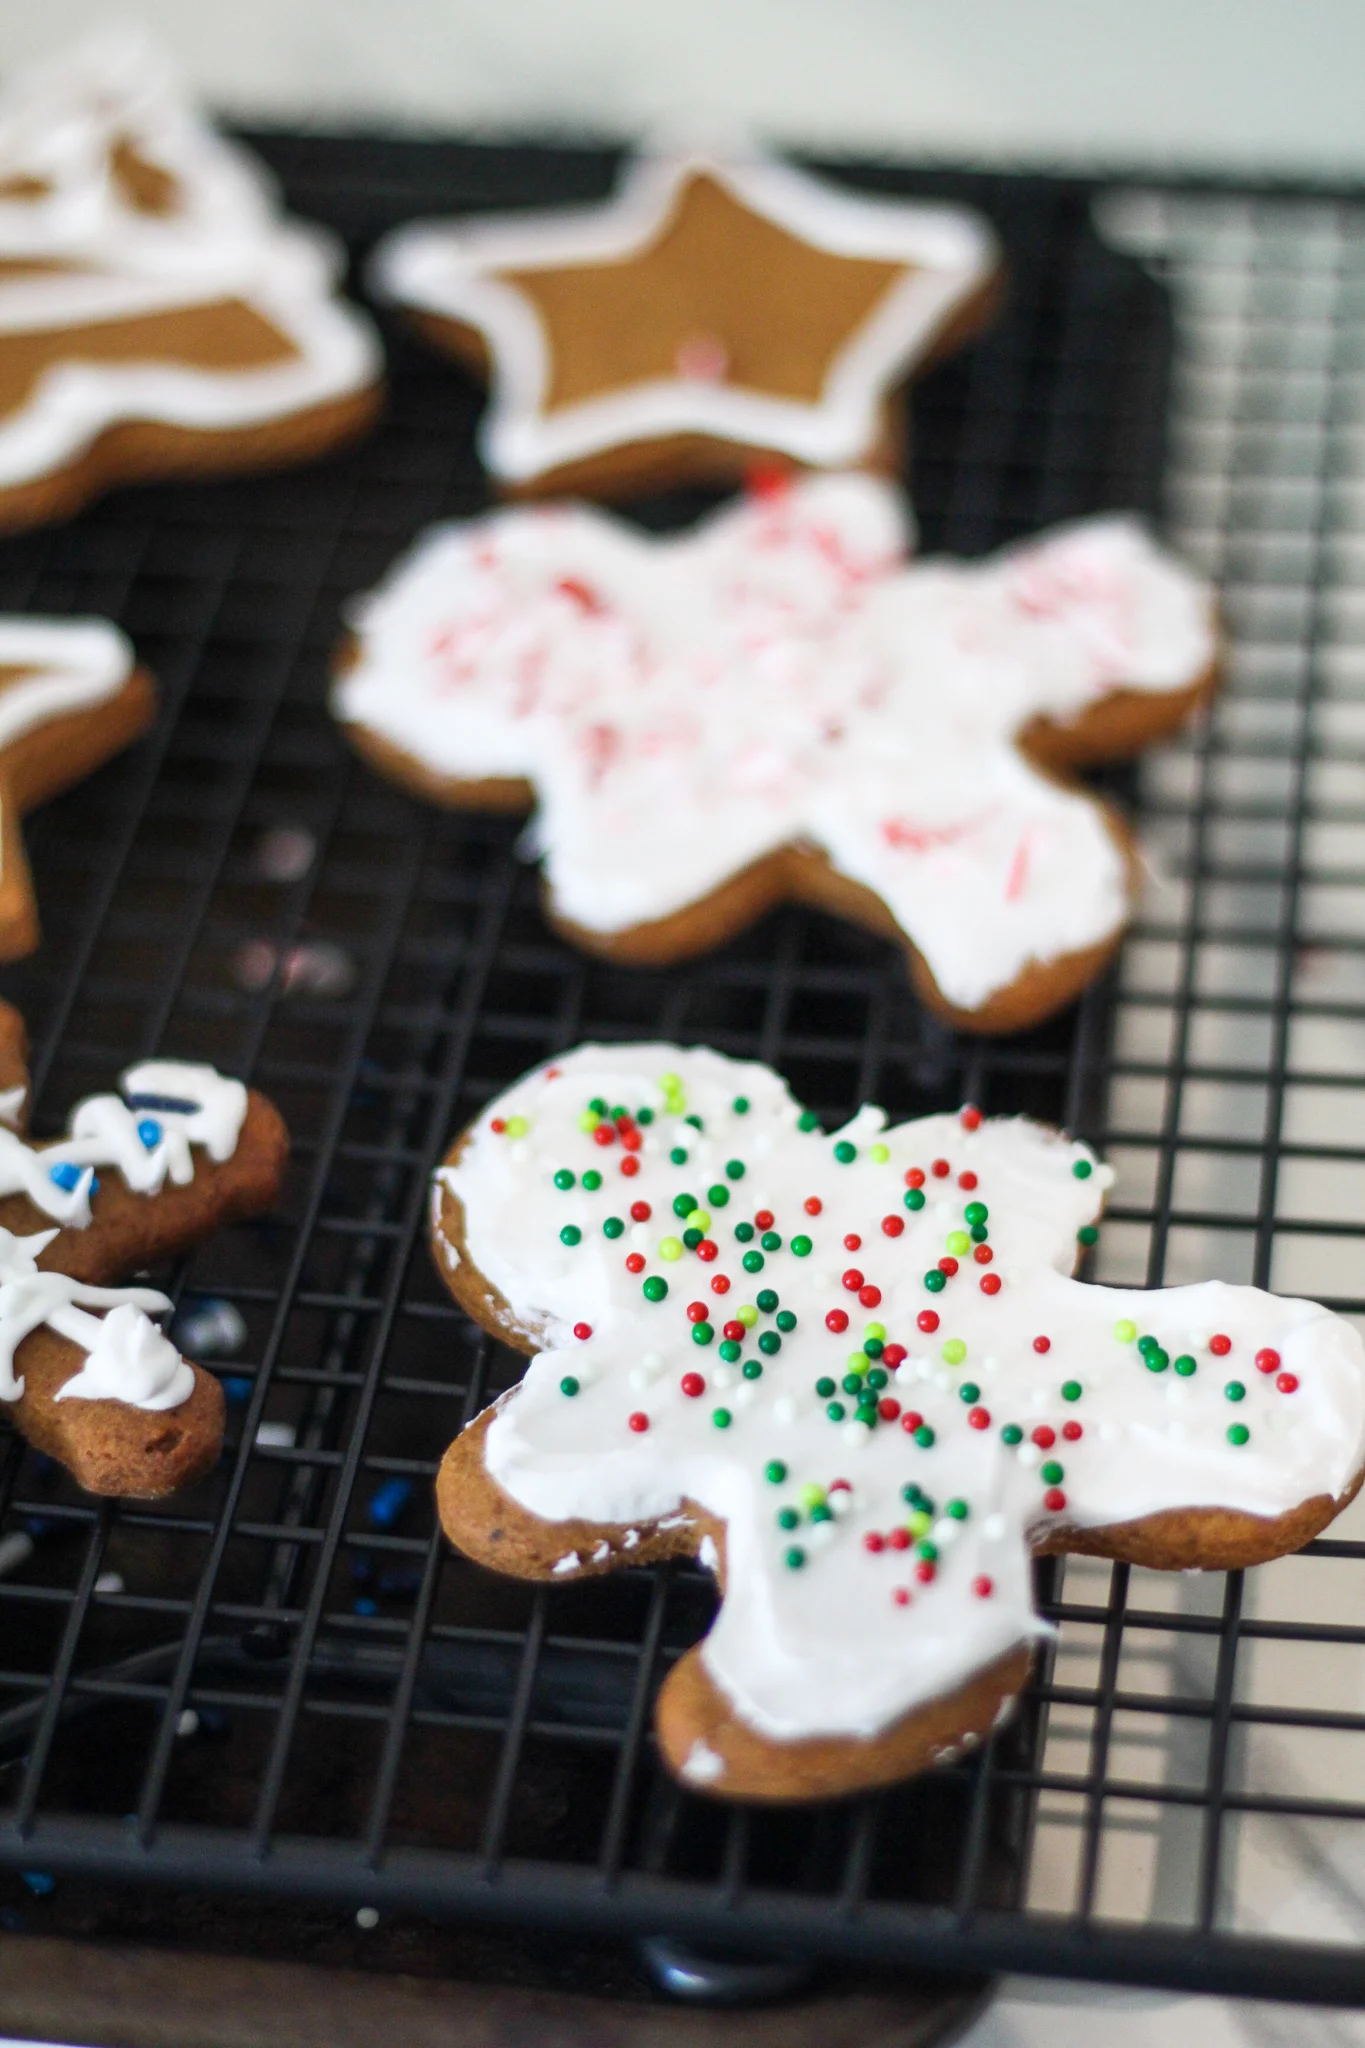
<point>85,1373</point>
<point>710,314</point>
<point>158,317</point>
<point>778,704</point>
<point>71,695</point>
<point>851,1373</point>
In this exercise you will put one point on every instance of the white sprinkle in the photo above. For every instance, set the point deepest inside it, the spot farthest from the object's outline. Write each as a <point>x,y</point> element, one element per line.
<point>924,1368</point>
<point>639,1236</point>
<point>946,1532</point>
<point>519,1152</point>
<point>652,1361</point>
<point>723,1375</point>
<point>602,1552</point>
<point>745,1395</point>
<point>107,1582</point>
<point>276,1436</point>
<point>943,1212</point>
<point>856,1435</point>
<point>630,1539</point>
<point>366,1917</point>
<point>784,1409</point>
<point>639,1378</point>
<point>990,1363</point>
<point>820,1535</point>
<point>1028,1454</point>
<point>567,1564</point>
<point>15,1549</point>
<point>702,1765</point>
<point>1039,1398</point>
<point>187,1722</point>
<point>708,1555</point>
<point>993,1528</point>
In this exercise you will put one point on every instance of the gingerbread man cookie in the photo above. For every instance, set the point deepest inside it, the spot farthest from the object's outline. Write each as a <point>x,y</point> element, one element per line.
<point>157,316</point>
<point>711,313</point>
<point>850,1373</point>
<point>775,705</point>
<point>85,1373</point>
<point>71,695</point>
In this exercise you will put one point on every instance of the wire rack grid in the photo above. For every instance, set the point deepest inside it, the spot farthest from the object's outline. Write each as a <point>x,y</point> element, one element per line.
<point>282,1684</point>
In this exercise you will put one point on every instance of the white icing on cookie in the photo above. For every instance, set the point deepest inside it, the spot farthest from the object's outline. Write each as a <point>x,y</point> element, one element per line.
<point>127,1358</point>
<point>451,268</point>
<point>1036,1404</point>
<point>218,237</point>
<point>167,1107</point>
<point>779,675</point>
<point>70,665</point>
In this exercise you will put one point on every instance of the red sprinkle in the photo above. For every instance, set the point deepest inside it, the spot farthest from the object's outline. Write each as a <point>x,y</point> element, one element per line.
<point>707,1250</point>
<point>635,1262</point>
<point>928,1320</point>
<point>1072,1431</point>
<point>498,1126</point>
<point>839,1486</point>
<point>915,1177</point>
<point>693,1384</point>
<point>1288,1382</point>
<point>582,1331</point>
<point>912,1420</point>
<point>763,1220</point>
<point>853,1243</point>
<point>733,1333</point>
<point>696,1311</point>
<point>940,1169</point>
<point>902,1596</point>
<point>639,1420</point>
<point>888,1407</point>
<point>966,1180</point>
<point>870,1297</point>
<point>971,1118</point>
<point>1044,1436</point>
<point>630,1165</point>
<point>720,1285</point>
<point>873,1541</point>
<point>640,1212</point>
<point>1054,1500</point>
<point>853,1279</point>
<point>892,1226</point>
<point>552,1073</point>
<point>925,1572</point>
<point>631,1138</point>
<point>979,1418</point>
<point>948,1266</point>
<point>812,1205</point>
<point>836,1320</point>
<point>983,1587</point>
<point>605,1134</point>
<point>991,1284</point>
<point>1267,1361</point>
<point>1220,1346</point>
<point>1042,1343</point>
<point>899,1539</point>
<point>892,1355</point>
<point>983,1254</point>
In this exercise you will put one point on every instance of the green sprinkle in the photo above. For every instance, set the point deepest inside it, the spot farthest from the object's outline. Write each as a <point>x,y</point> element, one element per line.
<point>702,1333</point>
<point>670,1248</point>
<point>924,1437</point>
<point>810,1495</point>
<point>958,1509</point>
<point>825,1387</point>
<point>857,1361</point>
<point>568,1385</point>
<point>752,1262</point>
<point>1082,1169</point>
<point>1011,1434</point>
<point>729,1351</point>
<point>683,1205</point>
<point>597,1107</point>
<point>734,1169</point>
<point>748,1315</point>
<point>774,1471</point>
<point>692,1238</point>
<point>699,1219</point>
<point>770,1241</point>
<point>786,1319</point>
<point>751,1369</point>
<point>655,1288</point>
<point>879,1154</point>
<point>976,1212</point>
<point>1156,1360</point>
<point>740,1105</point>
<point>808,1121</point>
<point>722,1417</point>
<point>718,1196</point>
<point>787,1518</point>
<point>936,1281</point>
<point>1238,1433</point>
<point>979,1233</point>
<point>766,1299</point>
<point>954,1351</point>
<point>1087,1234</point>
<point>592,1180</point>
<point>928,1551</point>
<point>875,1333</point>
<point>564,1179</point>
<point>852,1383</point>
<point>876,1377</point>
<point>801,1246</point>
<point>612,1226</point>
<point>958,1243</point>
<point>845,1152</point>
<point>1071,1390</point>
<point>913,1198</point>
<point>794,1558</point>
<point>769,1343</point>
<point>571,1234</point>
<point>1235,1391</point>
<point>836,1411</point>
<point>744,1232</point>
<point>695,1122</point>
<point>1052,1473</point>
<point>873,1346</point>
<point>921,1521</point>
<point>517,1126</point>
<point>644,1116</point>
<point>1185,1365</point>
<point>679,1155</point>
<point>1125,1331</point>
<point>969,1392</point>
<point>618,1112</point>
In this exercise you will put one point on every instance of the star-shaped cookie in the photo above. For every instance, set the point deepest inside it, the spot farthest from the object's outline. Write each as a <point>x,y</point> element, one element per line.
<point>712,312</point>
<point>776,705</point>
<point>85,1374</point>
<point>71,695</point>
<point>158,316</point>
<point>852,1374</point>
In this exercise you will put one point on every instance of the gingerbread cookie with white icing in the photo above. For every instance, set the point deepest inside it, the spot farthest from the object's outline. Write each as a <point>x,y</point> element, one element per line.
<point>852,1374</point>
<point>71,694</point>
<point>85,1373</point>
<point>778,704</point>
<point>158,317</point>
<point>712,313</point>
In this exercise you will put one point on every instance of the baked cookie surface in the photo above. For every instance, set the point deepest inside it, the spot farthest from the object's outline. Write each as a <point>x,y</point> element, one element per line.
<point>778,704</point>
<point>158,316</point>
<point>85,1374</point>
<point>852,1374</point>
<point>711,313</point>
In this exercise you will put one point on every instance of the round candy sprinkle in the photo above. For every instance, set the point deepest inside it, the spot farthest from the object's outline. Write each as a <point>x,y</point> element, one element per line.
<point>1041,1344</point>
<point>959,1243</point>
<point>1082,1169</point>
<point>911,1421</point>
<point>982,1586</point>
<point>692,1385</point>
<point>1125,1331</point>
<point>879,1154</point>
<point>970,1117</point>
<point>954,1351</point>
<point>640,1212</point>
<point>924,1437</point>
<point>808,1121</point>
<point>991,1284</point>
<point>748,1315</point>
<point>699,1219</point>
<point>769,1342</point>
<point>852,1242</point>
<point>1235,1391</point>
<point>914,1177</point>
<point>1185,1365</point>
<point>707,1250</point>
<point>786,1319</point>
<point>1012,1434</point>
<point>845,1153</point>
<point>1238,1433</point>
<point>571,1234</point>
<point>947,1267</point>
<point>564,1179</point>
<point>1054,1500</point>
<point>1072,1431</point>
<point>1087,1235</point>
<point>720,1284</point>
<point>683,1205</point>
<point>787,1518</point>
<point>729,1350</point>
<point>913,1198</point>
<point>1267,1361</point>
<point>752,1262</point>
<point>655,1288</point>
<point>892,1226</point>
<point>1155,1359</point>
<point>702,1333</point>
<point>767,1299</point>
<point>670,1248</point>
<point>639,1421</point>
<point>936,1281</point>
<point>635,1262</point>
<point>721,1417</point>
<point>770,1241</point>
<point>825,1387</point>
<point>873,1542</point>
<point>1045,1436</point>
<point>630,1165</point>
<point>718,1196</point>
<point>612,1226</point>
<point>678,1155</point>
<point>517,1126</point>
<point>568,1385</point>
<point>958,1509</point>
<point>740,1105</point>
<point>764,1219</point>
<point>927,1320</point>
<point>1071,1391</point>
<point>734,1169</point>
<point>582,1331</point>
<point>837,1321</point>
<point>810,1495</point>
<point>888,1408</point>
<point>979,1418</point>
<point>149,1131</point>
<point>853,1279</point>
<point>794,1558</point>
<point>1052,1473</point>
<point>775,1471</point>
<point>744,1233</point>
<point>976,1212</point>
<point>1287,1382</point>
<point>940,1169</point>
<point>1220,1346</point>
<point>801,1246</point>
<point>692,1239</point>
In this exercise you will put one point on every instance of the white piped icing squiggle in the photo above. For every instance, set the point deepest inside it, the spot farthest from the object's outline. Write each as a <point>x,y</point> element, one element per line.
<point>127,1358</point>
<point>82,252</point>
<point>457,270</point>
<point>865,1353</point>
<point>780,676</point>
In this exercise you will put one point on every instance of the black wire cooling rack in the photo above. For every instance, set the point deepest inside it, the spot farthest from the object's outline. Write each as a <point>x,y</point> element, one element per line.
<point>282,1685</point>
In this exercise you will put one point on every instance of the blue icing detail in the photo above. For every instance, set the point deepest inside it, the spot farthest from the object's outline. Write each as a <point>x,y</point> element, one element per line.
<point>66,1176</point>
<point>178,1105</point>
<point>149,1130</point>
<point>387,1503</point>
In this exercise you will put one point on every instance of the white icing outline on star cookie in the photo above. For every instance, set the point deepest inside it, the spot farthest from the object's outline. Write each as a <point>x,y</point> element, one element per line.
<point>1085,1408</point>
<point>448,268</point>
